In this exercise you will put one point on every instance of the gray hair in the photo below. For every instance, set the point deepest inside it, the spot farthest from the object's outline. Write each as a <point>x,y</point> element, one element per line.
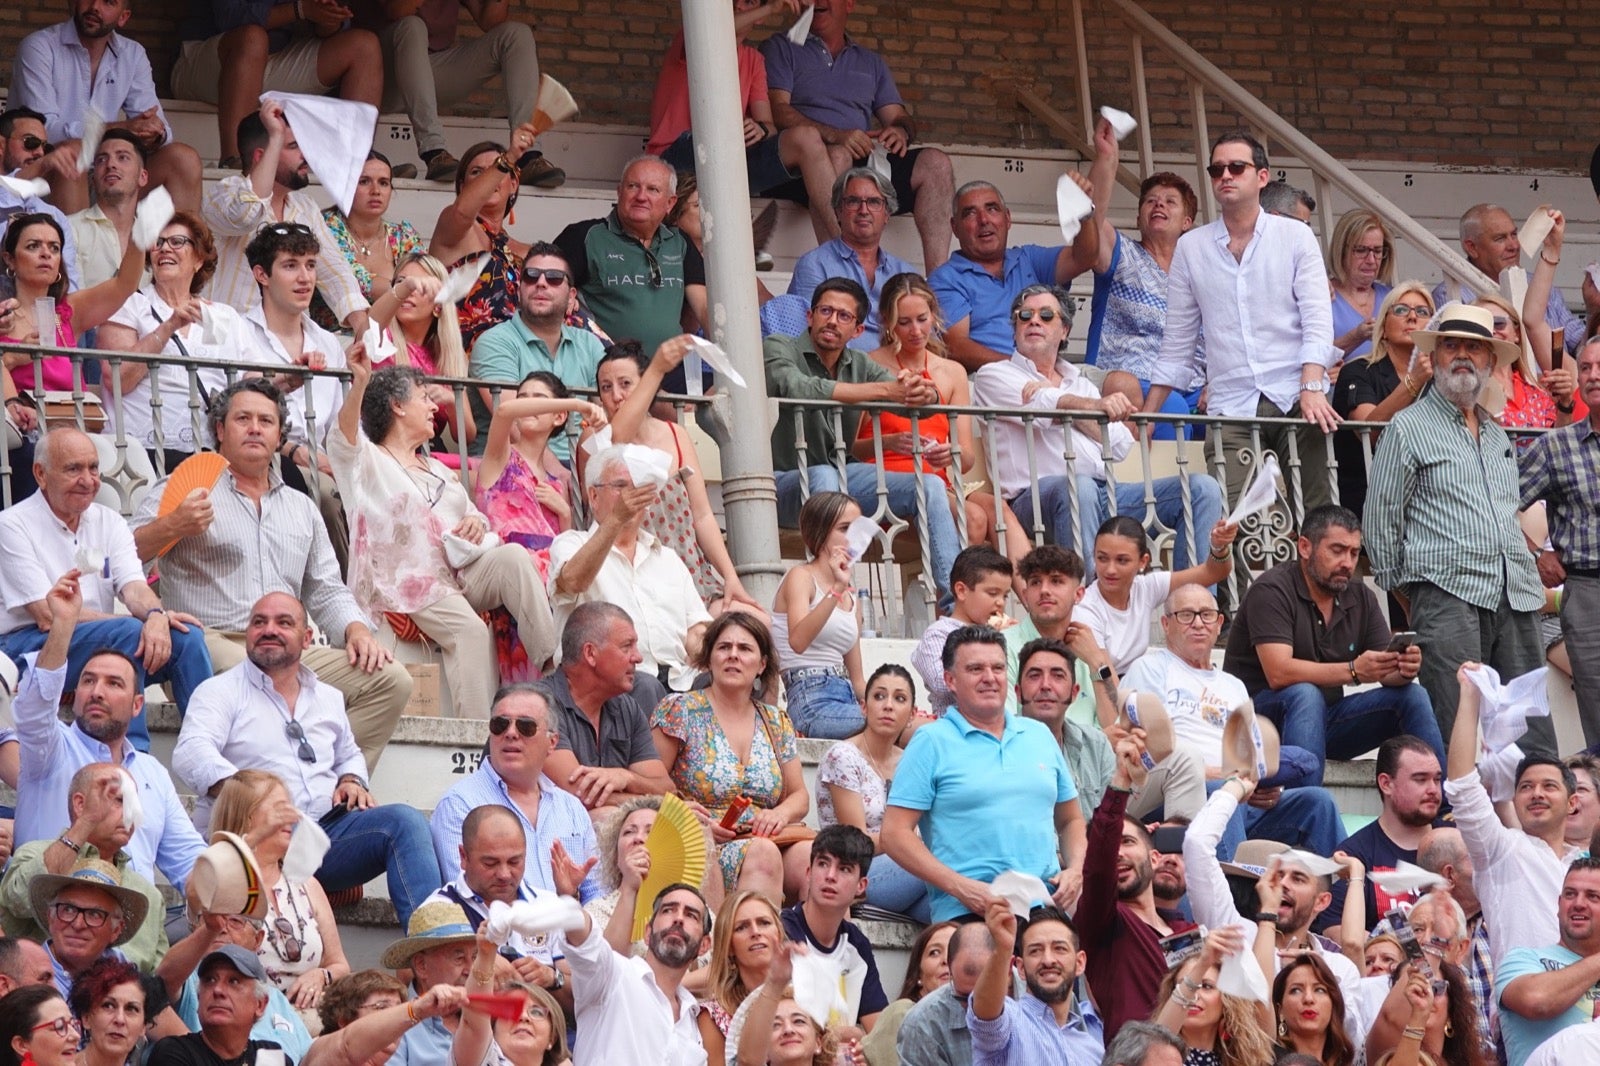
<point>1472,219</point>
<point>1441,898</point>
<point>1135,1041</point>
<point>974,186</point>
<point>387,387</point>
<point>885,187</point>
<point>646,157</point>
<point>44,448</point>
<point>1069,306</point>
<point>587,624</point>
<point>521,688</point>
<point>604,461</point>
<point>1279,198</point>
<point>217,412</point>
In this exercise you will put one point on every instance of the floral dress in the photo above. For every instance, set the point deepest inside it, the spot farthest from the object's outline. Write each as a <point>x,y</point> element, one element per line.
<point>401,238</point>
<point>708,771</point>
<point>493,298</point>
<point>514,511</point>
<point>845,766</point>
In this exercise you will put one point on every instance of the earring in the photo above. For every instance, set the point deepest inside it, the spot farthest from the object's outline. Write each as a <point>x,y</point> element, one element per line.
<point>1283,1030</point>
<point>1449,1030</point>
<point>511,217</point>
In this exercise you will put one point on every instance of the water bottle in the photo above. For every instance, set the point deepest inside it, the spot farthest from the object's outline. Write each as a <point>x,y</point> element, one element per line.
<point>864,598</point>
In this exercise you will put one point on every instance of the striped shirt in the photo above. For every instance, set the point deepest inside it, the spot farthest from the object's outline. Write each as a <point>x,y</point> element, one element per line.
<point>235,213</point>
<point>247,552</point>
<point>1442,509</point>
<point>1563,468</point>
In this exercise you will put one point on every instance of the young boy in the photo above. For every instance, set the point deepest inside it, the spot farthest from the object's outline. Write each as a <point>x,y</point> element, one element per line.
<point>837,876</point>
<point>980,580</point>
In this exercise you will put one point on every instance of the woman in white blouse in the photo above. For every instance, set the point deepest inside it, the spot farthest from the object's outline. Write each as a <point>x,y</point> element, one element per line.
<point>418,546</point>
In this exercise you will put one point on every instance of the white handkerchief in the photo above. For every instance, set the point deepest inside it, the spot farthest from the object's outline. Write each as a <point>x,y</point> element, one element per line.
<point>878,160</point>
<point>151,217</point>
<point>26,187</point>
<point>460,281</point>
<point>1506,708</point>
<point>1122,123</point>
<point>94,128</point>
<point>818,984</point>
<point>1593,270</point>
<point>1262,491</point>
<point>1020,891</point>
<point>1498,772</point>
<point>646,466</point>
<point>1314,864</point>
<point>1533,232</point>
<point>376,339</point>
<point>1514,284</point>
<point>308,846</point>
<point>531,918</point>
<point>92,562</point>
<point>802,25</point>
<point>132,805</point>
<point>210,327</point>
<point>1240,975</point>
<point>459,551</point>
<point>1072,207</point>
<point>719,360</point>
<point>599,442</point>
<point>334,135</point>
<point>1404,879</point>
<point>859,536</point>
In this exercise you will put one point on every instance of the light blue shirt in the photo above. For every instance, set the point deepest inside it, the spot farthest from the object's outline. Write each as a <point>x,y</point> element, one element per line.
<point>561,817</point>
<point>51,76</point>
<point>1026,1031</point>
<point>511,351</point>
<point>63,978</point>
<point>1557,315</point>
<point>1523,1035</point>
<point>52,751</point>
<point>967,290</point>
<point>423,1045</point>
<point>988,802</point>
<point>836,259</point>
<point>280,1023</point>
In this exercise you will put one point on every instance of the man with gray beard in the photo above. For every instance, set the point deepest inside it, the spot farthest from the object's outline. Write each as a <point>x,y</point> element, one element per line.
<point>1441,521</point>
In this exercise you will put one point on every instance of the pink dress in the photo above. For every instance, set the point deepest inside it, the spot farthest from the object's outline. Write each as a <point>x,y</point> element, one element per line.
<point>57,368</point>
<point>514,510</point>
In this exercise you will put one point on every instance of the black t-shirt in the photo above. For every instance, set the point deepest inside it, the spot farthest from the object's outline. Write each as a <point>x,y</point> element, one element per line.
<point>192,1050</point>
<point>1376,851</point>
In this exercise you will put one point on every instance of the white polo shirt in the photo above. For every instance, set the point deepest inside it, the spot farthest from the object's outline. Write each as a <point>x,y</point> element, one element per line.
<point>38,547</point>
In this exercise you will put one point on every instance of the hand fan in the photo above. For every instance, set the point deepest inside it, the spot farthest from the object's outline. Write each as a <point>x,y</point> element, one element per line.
<point>200,471</point>
<point>677,846</point>
<point>555,105</point>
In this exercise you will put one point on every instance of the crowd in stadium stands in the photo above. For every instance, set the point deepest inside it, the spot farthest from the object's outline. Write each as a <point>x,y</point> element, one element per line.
<point>1112,847</point>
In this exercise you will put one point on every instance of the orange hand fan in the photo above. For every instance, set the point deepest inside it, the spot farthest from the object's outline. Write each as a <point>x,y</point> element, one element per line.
<point>200,471</point>
<point>555,105</point>
<point>677,846</point>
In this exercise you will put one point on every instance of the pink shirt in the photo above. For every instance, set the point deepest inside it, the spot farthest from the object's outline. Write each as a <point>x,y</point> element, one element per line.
<point>669,109</point>
<point>57,368</point>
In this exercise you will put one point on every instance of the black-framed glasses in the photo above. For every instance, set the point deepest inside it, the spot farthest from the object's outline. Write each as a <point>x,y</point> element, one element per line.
<point>289,945</point>
<point>1410,311</point>
<point>1046,314</point>
<point>526,727</point>
<point>552,278</point>
<point>851,203</point>
<point>1237,167</point>
<point>177,242</point>
<point>655,270</point>
<point>67,913</point>
<point>33,144</point>
<point>1187,616</point>
<point>304,751</point>
<point>60,1026</point>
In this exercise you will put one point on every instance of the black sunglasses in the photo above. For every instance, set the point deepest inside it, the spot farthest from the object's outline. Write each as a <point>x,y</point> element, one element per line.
<point>526,727</point>
<point>297,733</point>
<point>1235,168</point>
<point>33,144</point>
<point>552,278</point>
<point>1045,314</point>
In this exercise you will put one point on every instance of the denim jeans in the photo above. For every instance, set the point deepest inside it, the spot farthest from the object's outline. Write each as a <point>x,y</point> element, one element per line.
<point>189,666</point>
<point>823,705</point>
<point>893,888</point>
<point>392,839</point>
<point>1205,499</point>
<point>862,486</point>
<point>1353,726</point>
<point>1305,818</point>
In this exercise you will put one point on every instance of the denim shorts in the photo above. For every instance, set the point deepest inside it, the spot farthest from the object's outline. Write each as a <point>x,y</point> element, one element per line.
<point>823,705</point>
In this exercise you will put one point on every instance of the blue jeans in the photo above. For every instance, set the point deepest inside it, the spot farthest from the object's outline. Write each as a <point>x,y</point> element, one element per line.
<point>862,486</point>
<point>824,705</point>
<point>1355,725</point>
<point>893,888</point>
<point>392,839</point>
<point>1305,818</point>
<point>188,667</point>
<point>1205,498</point>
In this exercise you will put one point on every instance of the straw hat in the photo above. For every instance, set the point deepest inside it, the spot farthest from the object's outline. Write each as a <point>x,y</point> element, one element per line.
<point>1469,322</point>
<point>432,925</point>
<point>97,874</point>
<point>1249,744</point>
<point>227,878</point>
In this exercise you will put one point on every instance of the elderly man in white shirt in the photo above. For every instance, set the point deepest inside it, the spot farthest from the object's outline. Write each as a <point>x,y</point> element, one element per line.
<point>1255,283</point>
<point>617,561</point>
<point>271,713</point>
<point>1072,505</point>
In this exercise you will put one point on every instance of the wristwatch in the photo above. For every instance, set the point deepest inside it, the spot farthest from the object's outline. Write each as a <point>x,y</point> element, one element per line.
<point>1319,385</point>
<point>1103,675</point>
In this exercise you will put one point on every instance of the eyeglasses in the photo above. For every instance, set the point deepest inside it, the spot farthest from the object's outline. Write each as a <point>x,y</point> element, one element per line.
<point>534,1012</point>
<point>177,242</point>
<point>289,945</point>
<point>243,922</point>
<point>1451,345</point>
<point>297,733</point>
<point>67,913</point>
<point>1501,321</point>
<point>1367,251</point>
<point>843,317</point>
<point>1410,311</point>
<point>552,278</point>
<point>526,727</point>
<point>1237,167</point>
<point>60,1026</point>
<point>615,486</point>
<point>1187,616</point>
<point>852,203</point>
<point>1046,314</point>
<point>285,229</point>
<point>33,144</point>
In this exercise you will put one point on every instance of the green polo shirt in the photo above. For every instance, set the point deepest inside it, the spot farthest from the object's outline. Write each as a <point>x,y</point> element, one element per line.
<point>511,351</point>
<point>632,290</point>
<point>795,372</point>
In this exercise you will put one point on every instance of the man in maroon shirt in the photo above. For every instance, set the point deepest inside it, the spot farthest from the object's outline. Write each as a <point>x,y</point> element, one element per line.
<point>1117,917</point>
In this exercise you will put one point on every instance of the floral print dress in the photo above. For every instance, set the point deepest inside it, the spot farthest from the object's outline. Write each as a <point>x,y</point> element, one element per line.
<point>708,770</point>
<point>493,298</point>
<point>401,238</point>
<point>515,512</point>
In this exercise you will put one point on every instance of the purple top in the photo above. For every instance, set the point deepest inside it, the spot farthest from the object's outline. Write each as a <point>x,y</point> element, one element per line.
<point>844,92</point>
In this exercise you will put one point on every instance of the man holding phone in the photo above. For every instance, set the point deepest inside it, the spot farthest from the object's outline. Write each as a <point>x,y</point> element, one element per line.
<point>1306,629</point>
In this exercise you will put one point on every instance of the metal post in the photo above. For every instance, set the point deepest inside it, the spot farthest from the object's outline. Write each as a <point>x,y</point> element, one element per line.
<point>748,491</point>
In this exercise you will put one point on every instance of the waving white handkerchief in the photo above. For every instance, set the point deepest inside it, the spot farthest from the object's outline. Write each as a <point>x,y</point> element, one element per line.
<point>532,918</point>
<point>308,846</point>
<point>719,359</point>
<point>334,136</point>
<point>1122,123</point>
<point>92,562</point>
<point>1072,207</point>
<point>26,187</point>
<point>376,340</point>
<point>210,325</point>
<point>1404,879</point>
<point>1498,772</point>
<point>1240,975</point>
<point>1262,491</point>
<point>1020,891</point>
<point>1314,864</point>
<point>1534,231</point>
<point>802,25</point>
<point>460,281</point>
<point>646,466</point>
<point>818,983</point>
<point>1506,708</point>
<point>459,551</point>
<point>859,536</point>
<point>132,805</point>
<point>94,128</point>
<point>151,217</point>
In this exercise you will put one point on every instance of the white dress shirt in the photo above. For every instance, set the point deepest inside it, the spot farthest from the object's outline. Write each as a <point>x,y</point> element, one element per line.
<point>622,1015</point>
<point>237,721</point>
<point>1265,315</point>
<point>1001,385</point>
<point>38,547</point>
<point>323,395</point>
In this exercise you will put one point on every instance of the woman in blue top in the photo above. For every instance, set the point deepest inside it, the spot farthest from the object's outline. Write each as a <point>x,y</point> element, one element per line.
<point>1360,275</point>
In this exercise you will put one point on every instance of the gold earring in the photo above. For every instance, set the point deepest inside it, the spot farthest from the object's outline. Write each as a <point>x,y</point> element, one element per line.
<point>1283,1030</point>
<point>1449,1030</point>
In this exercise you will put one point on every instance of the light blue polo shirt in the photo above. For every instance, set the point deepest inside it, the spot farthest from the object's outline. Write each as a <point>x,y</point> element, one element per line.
<point>988,803</point>
<point>967,290</point>
<point>511,351</point>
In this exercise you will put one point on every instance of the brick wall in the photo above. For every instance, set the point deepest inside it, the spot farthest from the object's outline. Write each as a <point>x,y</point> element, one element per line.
<point>1475,82</point>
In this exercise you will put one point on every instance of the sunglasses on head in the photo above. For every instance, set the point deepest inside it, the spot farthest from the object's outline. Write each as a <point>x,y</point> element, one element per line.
<point>526,727</point>
<point>1237,167</point>
<point>284,229</point>
<point>1046,314</point>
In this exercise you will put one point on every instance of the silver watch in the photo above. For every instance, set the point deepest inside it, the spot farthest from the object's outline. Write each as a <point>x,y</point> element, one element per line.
<point>1319,385</point>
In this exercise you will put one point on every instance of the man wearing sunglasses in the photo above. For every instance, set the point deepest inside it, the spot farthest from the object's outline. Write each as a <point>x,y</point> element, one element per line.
<point>271,713</point>
<point>23,146</point>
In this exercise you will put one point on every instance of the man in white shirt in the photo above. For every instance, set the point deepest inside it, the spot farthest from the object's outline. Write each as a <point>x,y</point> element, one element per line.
<point>271,713</point>
<point>617,561</point>
<point>118,178</point>
<point>1038,377</point>
<point>1255,284</point>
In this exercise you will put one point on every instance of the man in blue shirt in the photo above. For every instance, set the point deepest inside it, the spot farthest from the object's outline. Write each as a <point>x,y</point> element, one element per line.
<point>1544,989</point>
<point>1050,1022</point>
<point>863,200</point>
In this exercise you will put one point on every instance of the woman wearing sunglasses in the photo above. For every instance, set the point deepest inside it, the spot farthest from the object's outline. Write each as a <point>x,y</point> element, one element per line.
<point>37,1028</point>
<point>302,952</point>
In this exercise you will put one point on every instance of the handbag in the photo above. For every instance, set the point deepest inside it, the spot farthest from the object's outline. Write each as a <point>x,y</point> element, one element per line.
<point>57,409</point>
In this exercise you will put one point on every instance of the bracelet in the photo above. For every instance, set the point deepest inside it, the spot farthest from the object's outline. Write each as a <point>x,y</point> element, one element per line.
<point>1266,916</point>
<point>1565,409</point>
<point>1219,557</point>
<point>411,1012</point>
<point>1187,982</point>
<point>1412,1032</point>
<point>1412,389</point>
<point>1354,680</point>
<point>327,977</point>
<point>1183,1001</point>
<point>483,978</point>
<point>1544,258</point>
<point>504,165</point>
<point>77,849</point>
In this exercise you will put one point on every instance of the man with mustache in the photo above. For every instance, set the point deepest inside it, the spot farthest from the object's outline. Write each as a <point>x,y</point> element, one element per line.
<point>1441,521</point>
<point>1049,1022</point>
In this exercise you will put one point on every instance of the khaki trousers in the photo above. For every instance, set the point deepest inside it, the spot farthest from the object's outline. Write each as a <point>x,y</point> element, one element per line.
<point>418,81</point>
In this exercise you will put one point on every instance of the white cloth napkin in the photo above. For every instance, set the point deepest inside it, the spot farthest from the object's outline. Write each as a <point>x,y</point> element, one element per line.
<point>26,187</point>
<point>1498,772</point>
<point>151,217</point>
<point>1506,708</point>
<point>719,359</point>
<point>859,535</point>
<point>1122,123</point>
<point>1072,207</point>
<point>460,281</point>
<point>1314,864</point>
<point>802,25</point>
<point>94,128</point>
<point>1240,975</point>
<point>878,161</point>
<point>1534,231</point>
<point>459,551</point>
<point>1020,891</point>
<point>132,805</point>
<point>92,561</point>
<point>377,342</point>
<point>818,984</point>
<point>308,846</point>
<point>646,466</point>
<point>1404,879</point>
<point>531,918</point>
<point>334,135</point>
<point>1262,491</point>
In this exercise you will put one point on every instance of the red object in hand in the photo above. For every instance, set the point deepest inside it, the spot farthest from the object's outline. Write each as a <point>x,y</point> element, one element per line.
<point>502,1006</point>
<point>735,811</point>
